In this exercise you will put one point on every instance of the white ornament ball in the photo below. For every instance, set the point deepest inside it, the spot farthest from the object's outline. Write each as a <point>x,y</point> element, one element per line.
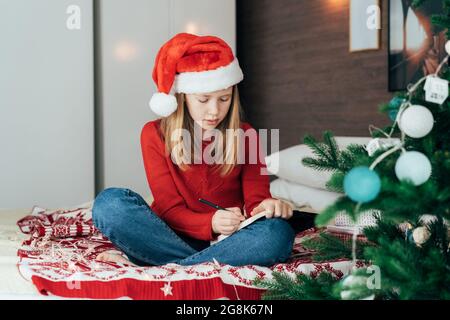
<point>352,280</point>
<point>350,295</point>
<point>416,121</point>
<point>421,235</point>
<point>413,166</point>
<point>353,288</point>
<point>447,47</point>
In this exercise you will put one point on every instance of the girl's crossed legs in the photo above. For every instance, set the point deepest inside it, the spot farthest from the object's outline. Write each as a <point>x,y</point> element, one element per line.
<point>126,219</point>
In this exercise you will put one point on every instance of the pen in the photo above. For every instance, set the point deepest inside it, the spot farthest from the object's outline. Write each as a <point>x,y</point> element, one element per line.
<point>212,204</point>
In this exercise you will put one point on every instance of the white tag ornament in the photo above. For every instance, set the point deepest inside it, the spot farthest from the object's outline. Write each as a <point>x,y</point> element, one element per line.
<point>436,90</point>
<point>381,144</point>
<point>373,146</point>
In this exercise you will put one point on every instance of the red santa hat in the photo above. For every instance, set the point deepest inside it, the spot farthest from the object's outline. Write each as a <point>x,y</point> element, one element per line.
<point>192,64</point>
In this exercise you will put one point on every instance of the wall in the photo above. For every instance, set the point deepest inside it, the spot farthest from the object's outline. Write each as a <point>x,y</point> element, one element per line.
<point>128,37</point>
<point>73,102</point>
<point>299,74</point>
<point>46,104</point>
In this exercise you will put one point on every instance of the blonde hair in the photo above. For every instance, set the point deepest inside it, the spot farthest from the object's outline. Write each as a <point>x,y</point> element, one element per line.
<point>172,126</point>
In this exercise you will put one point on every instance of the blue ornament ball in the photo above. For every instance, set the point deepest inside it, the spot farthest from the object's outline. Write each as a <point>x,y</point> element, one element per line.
<point>362,184</point>
<point>392,114</point>
<point>413,166</point>
<point>394,107</point>
<point>409,235</point>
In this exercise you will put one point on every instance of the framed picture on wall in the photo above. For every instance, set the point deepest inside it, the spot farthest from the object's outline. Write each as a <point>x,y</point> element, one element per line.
<point>365,25</point>
<point>416,46</point>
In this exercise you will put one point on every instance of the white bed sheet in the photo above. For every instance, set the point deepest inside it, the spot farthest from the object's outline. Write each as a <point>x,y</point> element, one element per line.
<point>12,285</point>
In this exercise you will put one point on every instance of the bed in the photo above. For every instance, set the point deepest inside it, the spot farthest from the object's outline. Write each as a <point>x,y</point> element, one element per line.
<point>71,272</point>
<point>12,284</point>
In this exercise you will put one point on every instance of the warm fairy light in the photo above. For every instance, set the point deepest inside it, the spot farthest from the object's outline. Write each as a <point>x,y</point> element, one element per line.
<point>125,51</point>
<point>191,27</point>
<point>336,2</point>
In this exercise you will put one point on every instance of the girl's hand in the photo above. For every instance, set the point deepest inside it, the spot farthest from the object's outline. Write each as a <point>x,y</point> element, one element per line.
<point>227,222</point>
<point>275,208</point>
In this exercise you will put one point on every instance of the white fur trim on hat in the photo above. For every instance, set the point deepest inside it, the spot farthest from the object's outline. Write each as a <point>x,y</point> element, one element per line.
<point>163,104</point>
<point>209,81</point>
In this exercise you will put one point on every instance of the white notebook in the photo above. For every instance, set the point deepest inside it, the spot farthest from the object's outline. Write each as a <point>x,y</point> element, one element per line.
<point>243,224</point>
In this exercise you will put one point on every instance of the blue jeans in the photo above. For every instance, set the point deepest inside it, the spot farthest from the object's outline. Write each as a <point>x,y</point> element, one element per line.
<point>126,219</point>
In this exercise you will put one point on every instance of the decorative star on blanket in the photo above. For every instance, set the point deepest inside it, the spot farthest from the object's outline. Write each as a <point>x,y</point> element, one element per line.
<point>167,289</point>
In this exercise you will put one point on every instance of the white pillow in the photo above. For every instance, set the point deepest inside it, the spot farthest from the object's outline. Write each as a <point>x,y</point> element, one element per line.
<point>318,200</point>
<point>287,164</point>
<point>301,195</point>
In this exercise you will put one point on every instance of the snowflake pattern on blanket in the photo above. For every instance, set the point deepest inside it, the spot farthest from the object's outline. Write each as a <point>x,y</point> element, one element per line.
<point>59,257</point>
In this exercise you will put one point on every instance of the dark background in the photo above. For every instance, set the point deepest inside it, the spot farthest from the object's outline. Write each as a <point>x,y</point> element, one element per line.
<point>299,74</point>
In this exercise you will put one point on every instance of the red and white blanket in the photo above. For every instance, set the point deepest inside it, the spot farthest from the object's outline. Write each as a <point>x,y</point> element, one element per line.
<point>60,259</point>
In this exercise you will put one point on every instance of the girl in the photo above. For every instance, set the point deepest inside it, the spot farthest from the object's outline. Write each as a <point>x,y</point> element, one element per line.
<point>177,228</point>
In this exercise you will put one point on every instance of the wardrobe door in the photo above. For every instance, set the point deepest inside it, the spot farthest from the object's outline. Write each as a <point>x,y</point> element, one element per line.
<point>46,103</point>
<point>129,34</point>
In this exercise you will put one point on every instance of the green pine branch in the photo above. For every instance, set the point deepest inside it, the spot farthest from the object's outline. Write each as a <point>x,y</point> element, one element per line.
<point>327,153</point>
<point>329,247</point>
<point>303,287</point>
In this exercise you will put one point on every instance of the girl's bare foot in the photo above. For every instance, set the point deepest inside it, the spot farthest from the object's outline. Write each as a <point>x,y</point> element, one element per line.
<point>113,256</point>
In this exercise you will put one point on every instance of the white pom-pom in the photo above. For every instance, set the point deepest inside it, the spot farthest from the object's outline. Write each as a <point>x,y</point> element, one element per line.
<point>163,104</point>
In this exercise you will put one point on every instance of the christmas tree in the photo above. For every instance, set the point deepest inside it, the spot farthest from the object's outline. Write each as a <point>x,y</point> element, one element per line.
<point>403,177</point>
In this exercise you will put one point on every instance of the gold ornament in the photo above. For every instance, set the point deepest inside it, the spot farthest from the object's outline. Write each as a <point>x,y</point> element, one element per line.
<point>421,235</point>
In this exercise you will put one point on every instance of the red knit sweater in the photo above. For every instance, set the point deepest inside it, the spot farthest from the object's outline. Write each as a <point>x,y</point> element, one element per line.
<point>176,192</point>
